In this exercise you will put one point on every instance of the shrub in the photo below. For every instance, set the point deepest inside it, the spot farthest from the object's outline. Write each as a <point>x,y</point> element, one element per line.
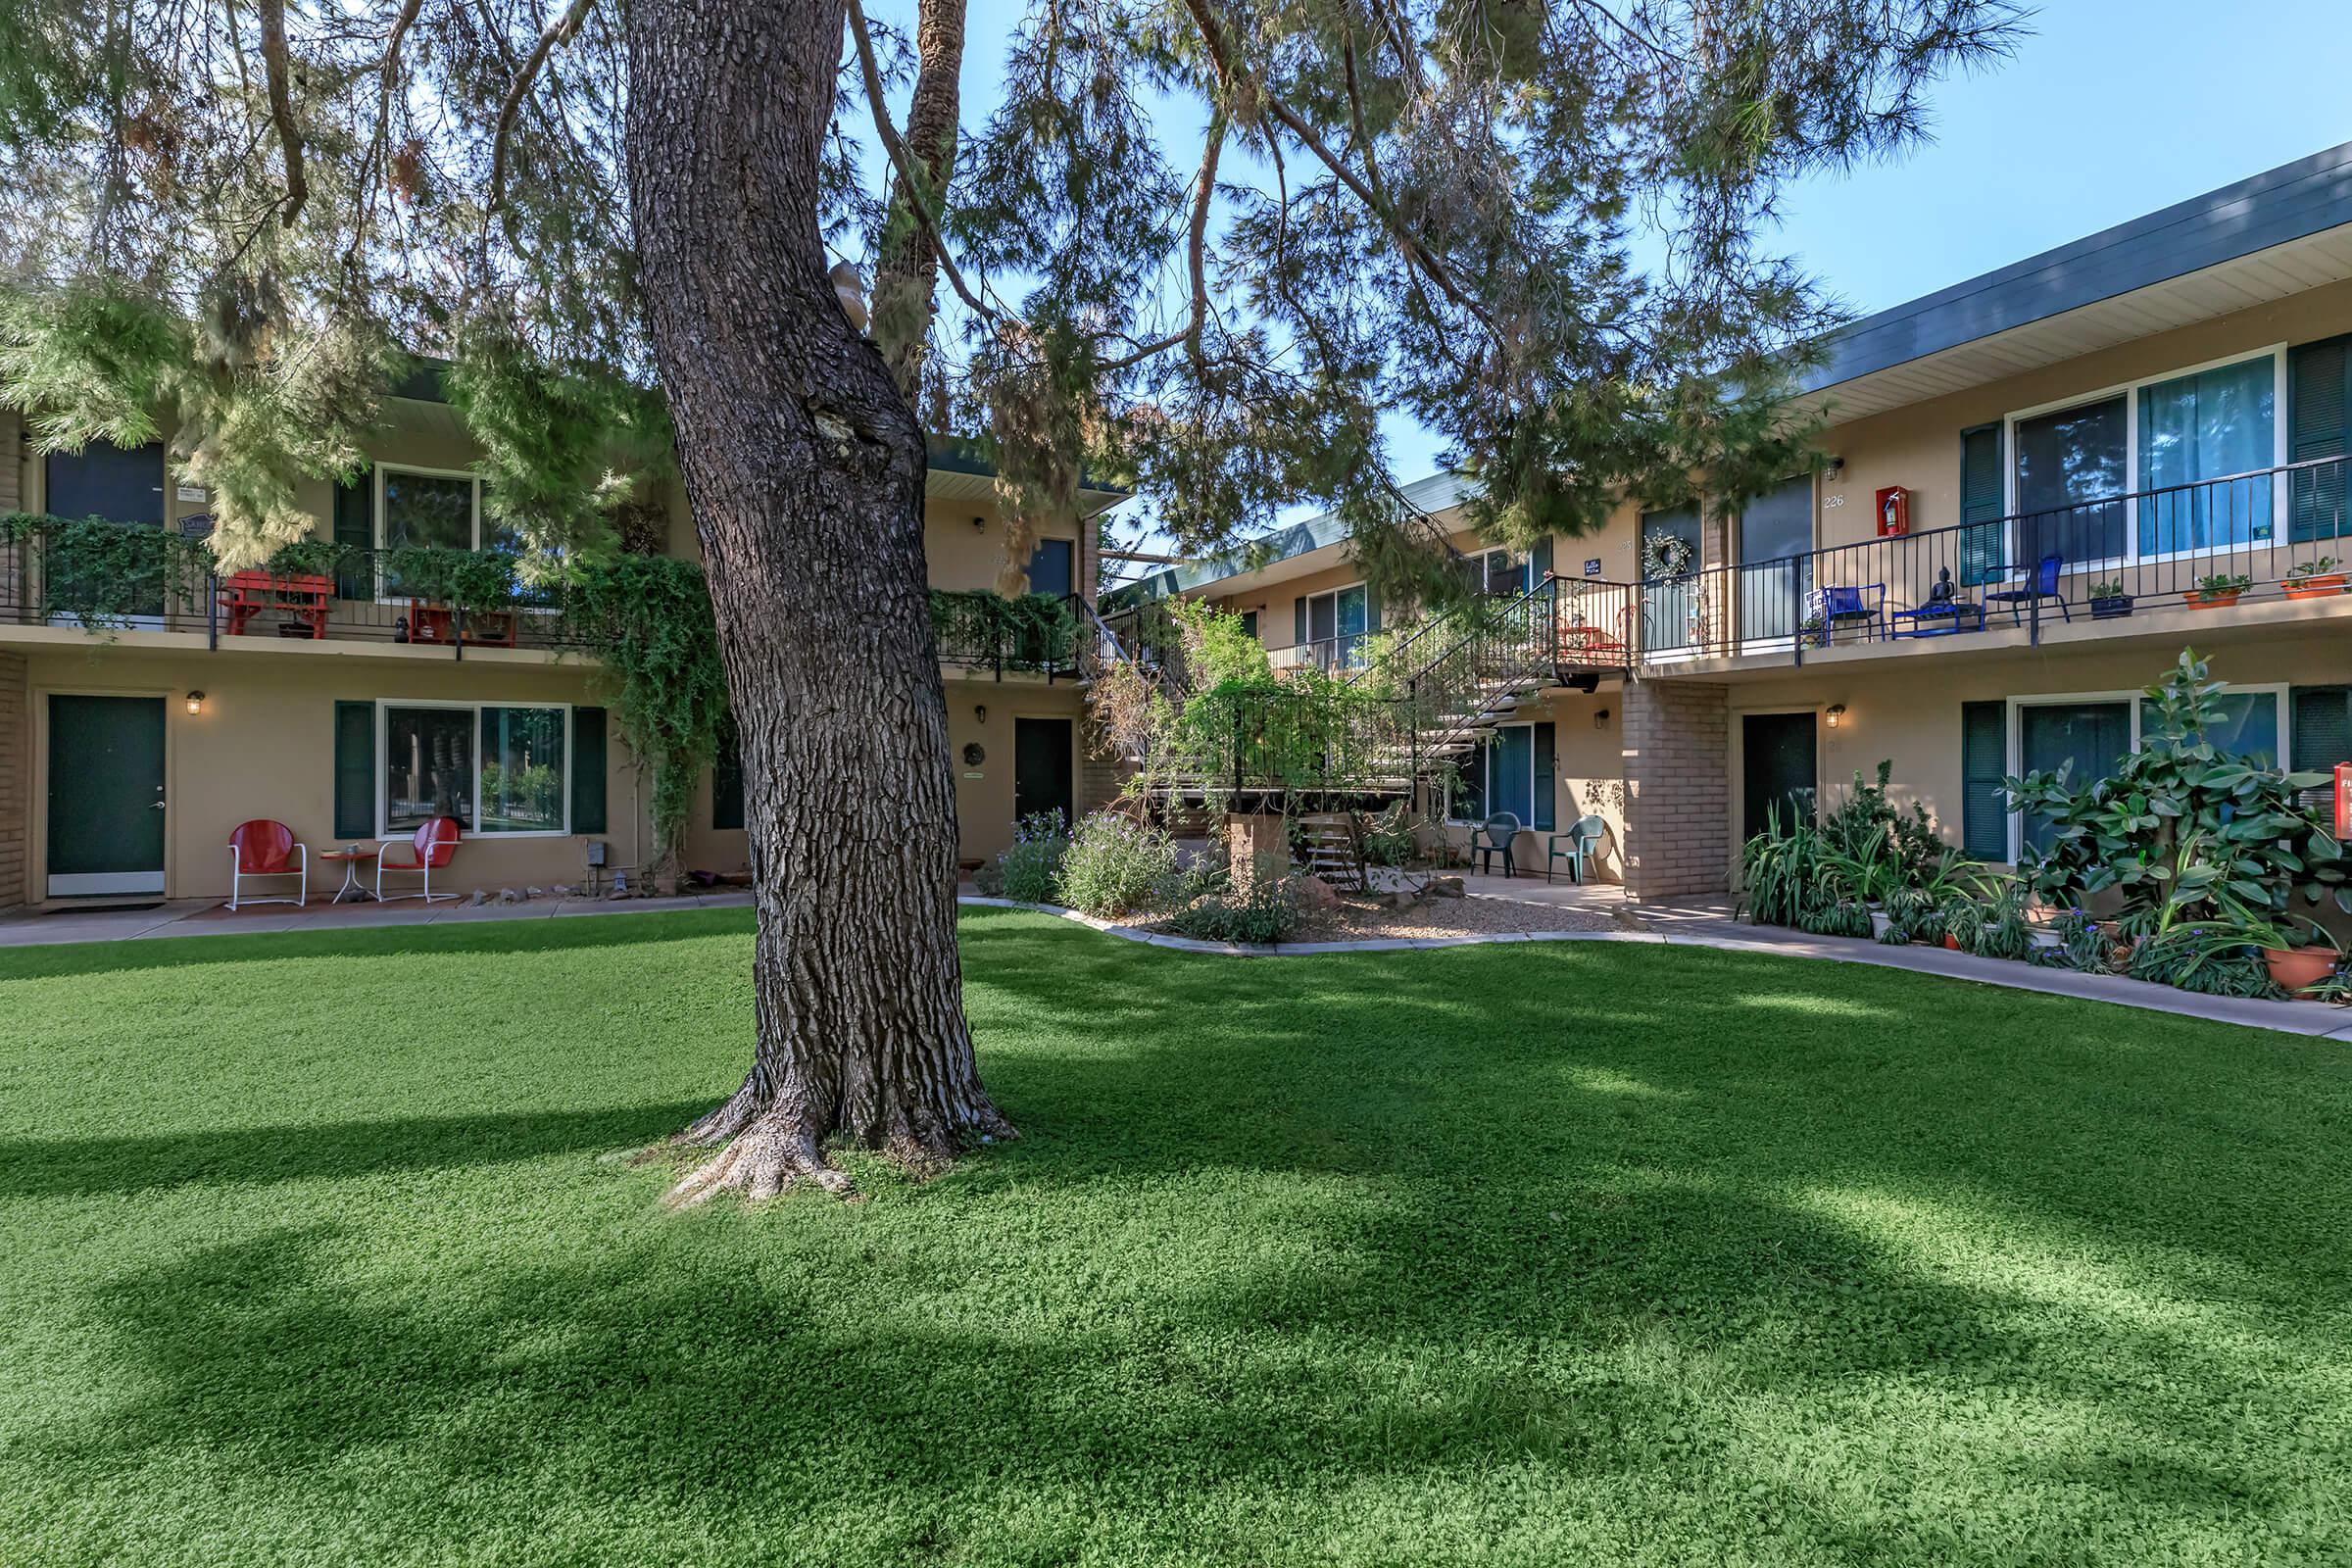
<point>1031,870</point>
<point>1268,913</point>
<point>1116,865</point>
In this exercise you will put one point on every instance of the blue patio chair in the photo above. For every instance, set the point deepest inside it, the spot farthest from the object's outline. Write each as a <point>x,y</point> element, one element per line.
<point>1861,605</point>
<point>1577,847</point>
<point>2043,586</point>
<point>1493,837</point>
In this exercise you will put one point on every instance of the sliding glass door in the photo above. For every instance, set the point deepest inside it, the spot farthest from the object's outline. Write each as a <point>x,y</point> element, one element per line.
<point>2202,440</point>
<point>2073,469</point>
<point>1776,534</point>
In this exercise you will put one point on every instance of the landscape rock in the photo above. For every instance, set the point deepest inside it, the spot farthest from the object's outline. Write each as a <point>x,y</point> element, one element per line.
<point>1316,893</point>
<point>1401,899</point>
<point>1446,887</point>
<point>508,895</point>
<point>477,899</point>
<point>534,893</point>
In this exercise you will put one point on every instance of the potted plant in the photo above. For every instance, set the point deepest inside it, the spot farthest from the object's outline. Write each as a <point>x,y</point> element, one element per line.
<point>2315,580</point>
<point>2108,601</point>
<point>2217,590</point>
<point>1816,630</point>
<point>2295,969</point>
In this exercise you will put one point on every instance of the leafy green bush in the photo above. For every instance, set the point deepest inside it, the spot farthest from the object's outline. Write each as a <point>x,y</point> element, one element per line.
<point>1116,865</point>
<point>1779,871</point>
<point>1266,913</point>
<point>1031,870</point>
<point>2182,831</point>
<point>2204,957</point>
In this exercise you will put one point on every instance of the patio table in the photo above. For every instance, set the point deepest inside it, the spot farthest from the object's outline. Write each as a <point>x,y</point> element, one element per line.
<point>352,860</point>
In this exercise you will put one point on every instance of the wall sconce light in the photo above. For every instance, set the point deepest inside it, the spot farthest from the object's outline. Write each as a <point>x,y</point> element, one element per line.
<point>195,702</point>
<point>1835,470</point>
<point>1837,714</point>
<point>980,711</point>
<point>979,525</point>
<point>1600,721</point>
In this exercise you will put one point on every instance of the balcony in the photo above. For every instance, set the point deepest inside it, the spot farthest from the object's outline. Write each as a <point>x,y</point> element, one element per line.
<point>109,579</point>
<point>2239,547</point>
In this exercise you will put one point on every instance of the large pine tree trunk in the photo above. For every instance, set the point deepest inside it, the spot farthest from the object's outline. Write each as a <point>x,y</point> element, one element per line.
<point>804,467</point>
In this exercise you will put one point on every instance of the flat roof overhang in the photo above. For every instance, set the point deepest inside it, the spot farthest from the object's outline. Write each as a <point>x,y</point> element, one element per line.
<point>2278,233</point>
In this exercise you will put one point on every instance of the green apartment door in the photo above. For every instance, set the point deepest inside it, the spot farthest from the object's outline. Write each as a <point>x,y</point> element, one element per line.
<point>1043,752</point>
<point>106,795</point>
<point>1778,766</point>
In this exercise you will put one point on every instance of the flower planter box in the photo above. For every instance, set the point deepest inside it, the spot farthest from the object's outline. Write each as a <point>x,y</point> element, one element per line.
<point>2111,608</point>
<point>2196,600</point>
<point>2320,585</point>
<point>2295,971</point>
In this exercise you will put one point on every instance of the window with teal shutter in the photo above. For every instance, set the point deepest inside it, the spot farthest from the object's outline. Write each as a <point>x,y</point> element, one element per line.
<point>1545,743</point>
<point>1982,504</point>
<point>355,770</point>
<point>587,769</point>
<point>2320,737</point>
<point>1299,623</point>
<point>1984,760</point>
<point>2319,401</point>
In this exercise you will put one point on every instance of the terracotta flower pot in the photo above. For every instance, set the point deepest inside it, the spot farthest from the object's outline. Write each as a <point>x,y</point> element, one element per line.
<point>1952,942</point>
<point>2295,971</point>
<point>2321,585</point>
<point>2197,599</point>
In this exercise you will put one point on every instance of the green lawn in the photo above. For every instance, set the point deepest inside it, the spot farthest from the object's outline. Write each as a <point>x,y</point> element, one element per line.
<point>1550,1255</point>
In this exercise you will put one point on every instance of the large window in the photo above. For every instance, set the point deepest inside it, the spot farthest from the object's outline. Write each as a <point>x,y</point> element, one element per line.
<point>1776,570</point>
<point>2189,448</point>
<point>2095,731</point>
<point>2197,433</point>
<point>498,769</point>
<point>1336,624</point>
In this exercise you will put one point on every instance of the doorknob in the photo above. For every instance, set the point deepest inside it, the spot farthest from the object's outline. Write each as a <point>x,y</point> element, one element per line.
<point>157,806</point>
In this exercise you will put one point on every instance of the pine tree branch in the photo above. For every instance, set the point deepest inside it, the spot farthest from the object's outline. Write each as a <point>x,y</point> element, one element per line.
<point>1196,255</point>
<point>1408,242</point>
<point>918,196</point>
<point>557,31</point>
<point>282,106</point>
<point>387,77</point>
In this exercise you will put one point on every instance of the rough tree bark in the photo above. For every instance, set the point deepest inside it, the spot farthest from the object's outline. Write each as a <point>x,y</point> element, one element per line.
<point>805,469</point>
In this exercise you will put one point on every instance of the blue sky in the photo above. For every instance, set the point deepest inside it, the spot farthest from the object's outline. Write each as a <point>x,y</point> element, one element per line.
<point>2112,109</point>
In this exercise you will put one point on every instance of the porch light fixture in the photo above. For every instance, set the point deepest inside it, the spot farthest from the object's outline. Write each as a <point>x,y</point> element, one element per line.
<point>1837,714</point>
<point>980,711</point>
<point>195,702</point>
<point>1835,469</point>
<point>979,525</point>
<point>1601,720</point>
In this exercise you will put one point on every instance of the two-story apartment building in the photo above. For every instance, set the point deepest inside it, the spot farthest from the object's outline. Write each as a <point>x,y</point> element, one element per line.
<point>144,713</point>
<point>2037,486</point>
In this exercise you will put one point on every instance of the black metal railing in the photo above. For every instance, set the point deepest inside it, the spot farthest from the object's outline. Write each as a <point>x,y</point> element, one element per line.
<point>985,633</point>
<point>106,578</point>
<point>2266,534</point>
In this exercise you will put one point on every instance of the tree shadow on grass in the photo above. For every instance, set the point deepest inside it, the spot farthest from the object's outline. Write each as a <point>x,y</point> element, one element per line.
<point>1370,1383</point>
<point>325,1151</point>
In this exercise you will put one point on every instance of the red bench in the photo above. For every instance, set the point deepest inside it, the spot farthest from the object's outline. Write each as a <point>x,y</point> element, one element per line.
<point>254,592</point>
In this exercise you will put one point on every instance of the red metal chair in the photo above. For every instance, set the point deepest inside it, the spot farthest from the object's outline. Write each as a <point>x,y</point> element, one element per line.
<point>264,848</point>
<point>434,847</point>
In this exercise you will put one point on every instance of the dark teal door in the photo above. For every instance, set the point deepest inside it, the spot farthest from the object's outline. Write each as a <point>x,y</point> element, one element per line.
<point>2094,736</point>
<point>1042,758</point>
<point>1778,768</point>
<point>106,795</point>
<point>121,485</point>
<point>1670,600</point>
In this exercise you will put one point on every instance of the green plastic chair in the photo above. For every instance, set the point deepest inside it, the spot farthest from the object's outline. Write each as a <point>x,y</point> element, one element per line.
<point>1576,847</point>
<point>1494,838</point>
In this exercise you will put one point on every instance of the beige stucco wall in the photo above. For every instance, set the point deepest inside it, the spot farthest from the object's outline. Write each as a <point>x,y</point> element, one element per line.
<point>264,746</point>
<point>983,791</point>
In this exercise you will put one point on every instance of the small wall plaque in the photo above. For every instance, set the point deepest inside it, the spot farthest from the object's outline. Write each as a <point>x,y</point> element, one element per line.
<point>196,525</point>
<point>1593,566</point>
<point>193,493</point>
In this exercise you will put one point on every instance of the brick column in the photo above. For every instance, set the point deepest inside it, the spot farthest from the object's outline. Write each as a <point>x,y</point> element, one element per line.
<point>15,780</point>
<point>1677,790</point>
